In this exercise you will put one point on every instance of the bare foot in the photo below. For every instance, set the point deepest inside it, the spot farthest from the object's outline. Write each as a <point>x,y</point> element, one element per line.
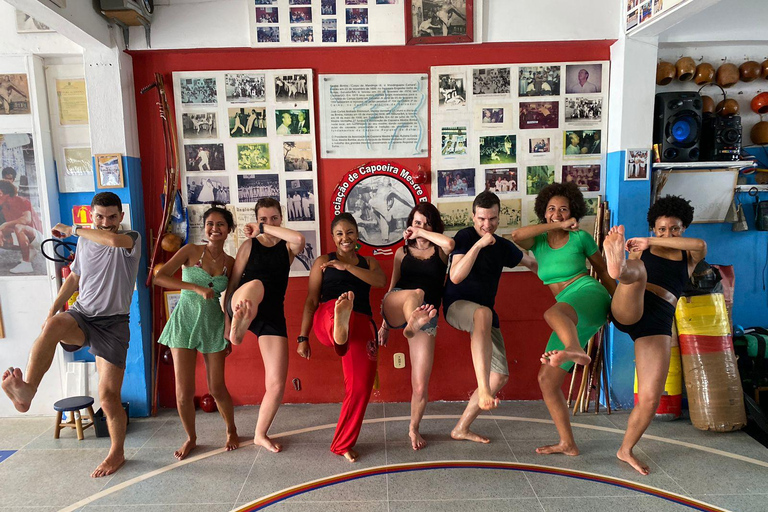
<point>565,449</point>
<point>341,313</point>
<point>20,393</point>
<point>111,464</point>
<point>240,321</point>
<point>233,441</point>
<point>613,246</point>
<point>485,401</point>
<point>186,448</point>
<point>629,458</point>
<point>417,442</point>
<point>351,455</point>
<point>468,435</point>
<point>557,357</point>
<point>267,443</point>
<point>419,318</point>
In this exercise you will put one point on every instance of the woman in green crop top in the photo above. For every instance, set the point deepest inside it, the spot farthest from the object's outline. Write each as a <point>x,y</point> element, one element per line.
<point>561,250</point>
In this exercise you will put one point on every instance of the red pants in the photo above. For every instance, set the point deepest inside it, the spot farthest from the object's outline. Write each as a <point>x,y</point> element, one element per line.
<point>358,361</point>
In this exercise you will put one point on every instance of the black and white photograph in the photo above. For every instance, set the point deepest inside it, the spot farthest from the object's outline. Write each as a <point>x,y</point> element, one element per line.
<point>539,115</point>
<point>291,88</point>
<point>454,141</point>
<point>199,126</point>
<point>253,157</point>
<point>638,163</point>
<point>538,177</point>
<point>302,35</point>
<point>299,2</point>
<point>492,116</point>
<point>208,189</point>
<point>268,35</point>
<point>501,181</point>
<point>586,177</point>
<point>330,32</point>
<point>498,149</point>
<point>453,91</point>
<point>14,94</point>
<point>204,157</point>
<point>292,122</point>
<point>538,146</point>
<point>244,88</point>
<point>582,142</point>
<point>297,156</point>
<point>510,213</point>
<point>301,14</point>
<point>632,19</point>
<point>328,7</point>
<point>300,195</point>
<point>583,78</point>
<point>490,81</point>
<point>439,18</point>
<point>357,16</point>
<point>380,205</point>
<point>539,81</point>
<point>198,91</point>
<point>357,34</point>
<point>356,2</point>
<point>264,2</point>
<point>456,183</point>
<point>267,15</point>
<point>252,187</point>
<point>304,260</point>
<point>583,110</point>
<point>455,215</point>
<point>247,122</point>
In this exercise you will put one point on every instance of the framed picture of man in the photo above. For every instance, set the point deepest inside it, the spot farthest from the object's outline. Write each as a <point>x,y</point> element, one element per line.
<point>438,21</point>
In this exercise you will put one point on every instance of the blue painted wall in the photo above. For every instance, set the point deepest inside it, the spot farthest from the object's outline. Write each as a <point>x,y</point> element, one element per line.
<point>136,387</point>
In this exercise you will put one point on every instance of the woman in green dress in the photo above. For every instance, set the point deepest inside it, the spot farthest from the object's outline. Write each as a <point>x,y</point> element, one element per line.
<point>197,323</point>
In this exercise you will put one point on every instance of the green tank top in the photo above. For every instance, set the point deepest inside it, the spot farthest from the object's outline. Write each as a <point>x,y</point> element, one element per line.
<point>559,265</point>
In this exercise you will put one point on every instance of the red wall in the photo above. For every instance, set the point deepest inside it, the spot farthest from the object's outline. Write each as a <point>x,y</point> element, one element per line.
<point>522,298</point>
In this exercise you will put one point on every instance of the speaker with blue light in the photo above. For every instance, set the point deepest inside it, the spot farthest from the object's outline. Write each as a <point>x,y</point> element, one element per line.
<point>677,126</point>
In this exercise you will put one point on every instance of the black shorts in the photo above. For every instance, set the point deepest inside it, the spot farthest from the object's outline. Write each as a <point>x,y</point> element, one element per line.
<point>106,336</point>
<point>267,322</point>
<point>658,315</point>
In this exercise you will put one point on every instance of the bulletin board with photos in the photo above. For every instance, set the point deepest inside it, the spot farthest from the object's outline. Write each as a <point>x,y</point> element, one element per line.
<point>513,129</point>
<point>244,135</point>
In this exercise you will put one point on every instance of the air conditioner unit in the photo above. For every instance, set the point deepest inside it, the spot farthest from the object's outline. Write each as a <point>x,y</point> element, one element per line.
<point>129,13</point>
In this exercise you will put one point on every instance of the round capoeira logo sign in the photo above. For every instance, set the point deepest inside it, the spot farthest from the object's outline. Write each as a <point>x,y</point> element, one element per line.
<point>380,195</point>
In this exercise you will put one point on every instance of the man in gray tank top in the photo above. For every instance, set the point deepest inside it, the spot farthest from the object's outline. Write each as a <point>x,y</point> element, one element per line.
<point>104,272</point>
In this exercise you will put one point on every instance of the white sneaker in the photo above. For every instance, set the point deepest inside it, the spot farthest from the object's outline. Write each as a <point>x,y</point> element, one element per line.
<point>25,267</point>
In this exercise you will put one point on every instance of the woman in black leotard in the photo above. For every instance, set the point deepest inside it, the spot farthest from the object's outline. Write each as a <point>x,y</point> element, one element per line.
<point>413,301</point>
<point>650,282</point>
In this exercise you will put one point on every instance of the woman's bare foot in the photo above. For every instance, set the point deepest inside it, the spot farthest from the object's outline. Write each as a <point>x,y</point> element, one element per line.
<point>467,435</point>
<point>561,447</point>
<point>267,443</point>
<point>417,442</point>
<point>557,357</point>
<point>486,401</point>
<point>111,464</point>
<point>20,393</point>
<point>419,318</point>
<point>629,458</point>
<point>351,455</point>
<point>186,448</point>
<point>233,441</point>
<point>341,313</point>
<point>242,312</point>
<point>615,256</point>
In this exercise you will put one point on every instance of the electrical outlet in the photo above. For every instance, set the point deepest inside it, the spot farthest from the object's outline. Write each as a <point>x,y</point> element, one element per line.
<point>399,360</point>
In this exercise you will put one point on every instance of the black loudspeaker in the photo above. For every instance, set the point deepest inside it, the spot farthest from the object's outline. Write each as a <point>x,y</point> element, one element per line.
<point>720,137</point>
<point>677,126</point>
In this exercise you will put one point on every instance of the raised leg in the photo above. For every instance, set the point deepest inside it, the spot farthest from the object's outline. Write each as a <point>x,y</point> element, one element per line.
<point>562,318</point>
<point>341,314</point>
<point>399,305</point>
<point>274,352</point>
<point>551,382</point>
<point>110,383</point>
<point>422,349</point>
<point>461,431</point>
<point>184,363</point>
<point>245,306</point>
<point>214,372</point>
<point>627,302</point>
<point>481,347</point>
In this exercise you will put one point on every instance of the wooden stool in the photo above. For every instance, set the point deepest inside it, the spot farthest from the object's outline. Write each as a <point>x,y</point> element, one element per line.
<point>73,405</point>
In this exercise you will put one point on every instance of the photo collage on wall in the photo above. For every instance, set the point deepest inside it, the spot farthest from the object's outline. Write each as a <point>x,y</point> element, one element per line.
<point>513,129</point>
<point>244,135</point>
<point>642,11</point>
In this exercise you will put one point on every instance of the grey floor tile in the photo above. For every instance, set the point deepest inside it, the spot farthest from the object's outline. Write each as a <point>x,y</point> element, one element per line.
<point>140,430</point>
<point>737,502</point>
<point>292,417</point>
<point>179,507</point>
<point>431,430</point>
<point>402,452</point>
<point>16,433</point>
<point>487,505</point>
<point>518,430</point>
<point>433,408</point>
<point>602,504</point>
<point>458,484</point>
<point>324,506</point>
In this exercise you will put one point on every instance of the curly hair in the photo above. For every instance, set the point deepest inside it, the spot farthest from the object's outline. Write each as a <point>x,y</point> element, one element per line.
<point>671,206</point>
<point>431,213</point>
<point>221,210</point>
<point>570,191</point>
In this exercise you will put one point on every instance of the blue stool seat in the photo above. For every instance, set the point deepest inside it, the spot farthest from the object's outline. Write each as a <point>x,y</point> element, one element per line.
<point>73,404</point>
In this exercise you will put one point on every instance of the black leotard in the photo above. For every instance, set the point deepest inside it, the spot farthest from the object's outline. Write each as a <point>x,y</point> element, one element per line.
<point>427,274</point>
<point>336,282</point>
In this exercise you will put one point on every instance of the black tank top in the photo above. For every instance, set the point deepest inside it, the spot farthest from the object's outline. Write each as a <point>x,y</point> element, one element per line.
<point>669,274</point>
<point>428,274</point>
<point>336,282</point>
<point>270,265</point>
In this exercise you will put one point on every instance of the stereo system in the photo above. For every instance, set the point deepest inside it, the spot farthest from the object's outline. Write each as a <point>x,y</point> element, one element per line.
<point>677,125</point>
<point>720,137</point>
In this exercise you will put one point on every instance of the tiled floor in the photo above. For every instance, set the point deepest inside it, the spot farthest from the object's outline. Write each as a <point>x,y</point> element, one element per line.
<point>46,474</point>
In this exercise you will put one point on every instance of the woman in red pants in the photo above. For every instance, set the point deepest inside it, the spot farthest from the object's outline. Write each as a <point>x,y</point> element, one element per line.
<point>338,305</point>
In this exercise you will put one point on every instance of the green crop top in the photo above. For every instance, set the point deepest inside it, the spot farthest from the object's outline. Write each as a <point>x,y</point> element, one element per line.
<point>558,265</point>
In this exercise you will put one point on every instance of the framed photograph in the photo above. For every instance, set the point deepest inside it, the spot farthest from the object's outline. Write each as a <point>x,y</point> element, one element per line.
<point>638,164</point>
<point>586,177</point>
<point>581,143</point>
<point>438,21</point>
<point>110,171</point>
<point>171,299</point>
<point>501,181</point>
<point>498,149</point>
<point>301,200</point>
<point>456,183</point>
<point>539,115</point>
<point>454,141</point>
<point>539,81</point>
<point>453,92</point>
<point>208,189</point>
<point>538,146</point>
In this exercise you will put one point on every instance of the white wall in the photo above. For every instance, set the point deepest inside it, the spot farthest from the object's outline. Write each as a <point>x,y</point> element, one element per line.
<point>726,21</point>
<point>46,43</point>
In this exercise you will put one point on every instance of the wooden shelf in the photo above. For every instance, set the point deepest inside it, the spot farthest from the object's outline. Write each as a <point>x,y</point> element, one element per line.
<point>704,165</point>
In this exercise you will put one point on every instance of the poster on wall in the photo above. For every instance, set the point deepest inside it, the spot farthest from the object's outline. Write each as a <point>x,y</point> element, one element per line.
<point>365,116</point>
<point>76,173</point>
<point>246,135</point>
<point>14,94</point>
<point>21,229</point>
<point>73,101</point>
<point>639,12</point>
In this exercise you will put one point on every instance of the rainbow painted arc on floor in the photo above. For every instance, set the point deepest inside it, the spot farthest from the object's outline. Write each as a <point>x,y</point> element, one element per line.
<point>291,492</point>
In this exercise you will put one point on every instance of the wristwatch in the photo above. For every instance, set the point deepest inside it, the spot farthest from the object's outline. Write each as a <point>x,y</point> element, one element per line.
<point>302,339</point>
<point>261,228</point>
<point>74,229</point>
